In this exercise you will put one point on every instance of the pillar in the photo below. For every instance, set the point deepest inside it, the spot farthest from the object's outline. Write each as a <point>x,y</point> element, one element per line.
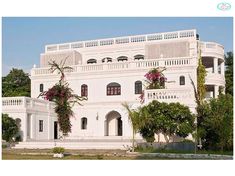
<point>215,65</point>
<point>33,127</point>
<point>216,91</point>
<point>222,68</point>
<point>24,127</point>
<point>116,127</point>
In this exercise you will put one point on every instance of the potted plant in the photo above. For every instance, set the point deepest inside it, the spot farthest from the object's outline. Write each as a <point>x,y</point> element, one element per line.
<point>58,152</point>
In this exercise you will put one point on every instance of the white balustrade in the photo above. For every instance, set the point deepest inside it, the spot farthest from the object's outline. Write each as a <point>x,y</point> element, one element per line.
<point>212,48</point>
<point>151,63</point>
<point>123,40</point>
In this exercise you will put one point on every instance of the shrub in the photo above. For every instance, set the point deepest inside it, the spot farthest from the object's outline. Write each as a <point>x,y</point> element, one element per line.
<point>9,128</point>
<point>58,150</point>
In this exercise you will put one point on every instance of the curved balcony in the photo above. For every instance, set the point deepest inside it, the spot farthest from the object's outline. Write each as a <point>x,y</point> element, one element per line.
<point>215,79</point>
<point>211,49</point>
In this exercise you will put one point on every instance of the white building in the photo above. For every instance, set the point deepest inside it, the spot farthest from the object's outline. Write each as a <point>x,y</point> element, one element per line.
<point>110,72</point>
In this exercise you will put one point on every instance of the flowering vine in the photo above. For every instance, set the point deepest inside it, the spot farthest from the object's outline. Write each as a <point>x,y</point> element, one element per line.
<point>63,97</point>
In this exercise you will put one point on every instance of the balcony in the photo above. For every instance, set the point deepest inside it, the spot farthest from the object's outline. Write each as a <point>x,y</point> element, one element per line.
<point>211,49</point>
<point>26,104</point>
<point>183,96</point>
<point>125,65</point>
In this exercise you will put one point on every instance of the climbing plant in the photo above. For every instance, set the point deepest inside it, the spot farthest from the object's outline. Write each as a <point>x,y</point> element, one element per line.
<point>155,79</point>
<point>63,97</point>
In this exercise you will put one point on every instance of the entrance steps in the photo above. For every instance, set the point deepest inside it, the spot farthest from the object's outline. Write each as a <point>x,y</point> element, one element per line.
<point>123,144</point>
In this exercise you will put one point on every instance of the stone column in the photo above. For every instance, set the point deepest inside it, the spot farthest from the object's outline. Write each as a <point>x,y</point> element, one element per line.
<point>49,130</point>
<point>222,68</point>
<point>33,127</point>
<point>25,127</point>
<point>116,127</point>
<point>215,65</point>
<point>216,91</point>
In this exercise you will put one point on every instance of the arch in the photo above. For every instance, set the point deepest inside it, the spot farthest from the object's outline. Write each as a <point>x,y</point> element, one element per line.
<point>138,87</point>
<point>91,61</point>
<point>84,90</point>
<point>84,123</point>
<point>182,80</point>
<point>107,59</point>
<point>122,58</point>
<point>139,57</point>
<point>113,89</point>
<point>113,124</point>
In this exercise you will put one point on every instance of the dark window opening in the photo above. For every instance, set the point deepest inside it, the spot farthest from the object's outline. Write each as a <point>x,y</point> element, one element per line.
<point>41,87</point>
<point>138,87</point>
<point>91,61</point>
<point>84,123</point>
<point>122,58</point>
<point>40,125</point>
<point>84,90</point>
<point>139,57</point>
<point>182,80</point>
<point>113,89</point>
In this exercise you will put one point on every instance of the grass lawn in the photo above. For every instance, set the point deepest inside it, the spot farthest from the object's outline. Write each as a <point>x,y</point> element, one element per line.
<point>38,154</point>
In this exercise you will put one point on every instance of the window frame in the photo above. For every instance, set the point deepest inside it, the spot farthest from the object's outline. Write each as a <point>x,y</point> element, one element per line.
<point>138,87</point>
<point>84,123</point>
<point>40,125</point>
<point>113,89</point>
<point>84,90</point>
<point>41,87</point>
<point>182,80</point>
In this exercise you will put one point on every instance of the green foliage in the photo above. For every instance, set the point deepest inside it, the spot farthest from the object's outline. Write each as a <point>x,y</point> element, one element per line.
<point>63,97</point>
<point>155,79</point>
<point>9,128</point>
<point>201,77</point>
<point>216,123</point>
<point>168,119</point>
<point>16,83</point>
<point>229,73</point>
<point>58,150</point>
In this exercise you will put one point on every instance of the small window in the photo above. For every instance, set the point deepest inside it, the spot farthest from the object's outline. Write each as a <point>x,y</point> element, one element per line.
<point>138,87</point>
<point>122,58</point>
<point>41,87</point>
<point>84,90</point>
<point>113,89</point>
<point>139,57</point>
<point>84,123</point>
<point>91,61</point>
<point>182,80</point>
<point>107,59</point>
<point>40,125</point>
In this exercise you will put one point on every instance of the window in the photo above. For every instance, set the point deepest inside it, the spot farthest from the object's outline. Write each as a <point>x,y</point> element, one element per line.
<point>84,123</point>
<point>182,80</point>
<point>113,89</point>
<point>84,91</point>
<point>40,125</point>
<point>122,58</point>
<point>41,87</point>
<point>107,59</point>
<point>139,57</point>
<point>91,61</point>
<point>138,87</point>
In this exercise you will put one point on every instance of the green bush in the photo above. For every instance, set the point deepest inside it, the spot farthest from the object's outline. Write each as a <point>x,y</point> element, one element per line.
<point>58,150</point>
<point>4,146</point>
<point>9,128</point>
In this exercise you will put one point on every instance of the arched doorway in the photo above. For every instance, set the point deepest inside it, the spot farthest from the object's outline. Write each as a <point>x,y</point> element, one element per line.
<point>113,124</point>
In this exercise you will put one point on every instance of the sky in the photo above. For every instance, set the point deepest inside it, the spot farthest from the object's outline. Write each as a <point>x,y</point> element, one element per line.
<point>24,38</point>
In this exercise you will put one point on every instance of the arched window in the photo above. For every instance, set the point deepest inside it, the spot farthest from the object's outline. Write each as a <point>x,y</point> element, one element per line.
<point>138,87</point>
<point>122,58</point>
<point>139,57</point>
<point>41,87</point>
<point>84,123</point>
<point>182,80</point>
<point>107,59</point>
<point>84,90</point>
<point>91,61</point>
<point>113,89</point>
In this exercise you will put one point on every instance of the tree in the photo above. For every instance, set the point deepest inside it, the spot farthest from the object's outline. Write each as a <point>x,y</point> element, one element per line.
<point>229,73</point>
<point>16,83</point>
<point>63,97</point>
<point>218,123</point>
<point>170,120</point>
<point>9,128</point>
<point>133,117</point>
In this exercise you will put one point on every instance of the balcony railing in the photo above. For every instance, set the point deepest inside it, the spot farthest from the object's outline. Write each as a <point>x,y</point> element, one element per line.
<point>27,103</point>
<point>212,49</point>
<point>123,40</point>
<point>148,64</point>
<point>184,96</point>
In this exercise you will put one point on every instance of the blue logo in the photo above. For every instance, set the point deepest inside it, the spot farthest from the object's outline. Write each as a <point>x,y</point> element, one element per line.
<point>224,6</point>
